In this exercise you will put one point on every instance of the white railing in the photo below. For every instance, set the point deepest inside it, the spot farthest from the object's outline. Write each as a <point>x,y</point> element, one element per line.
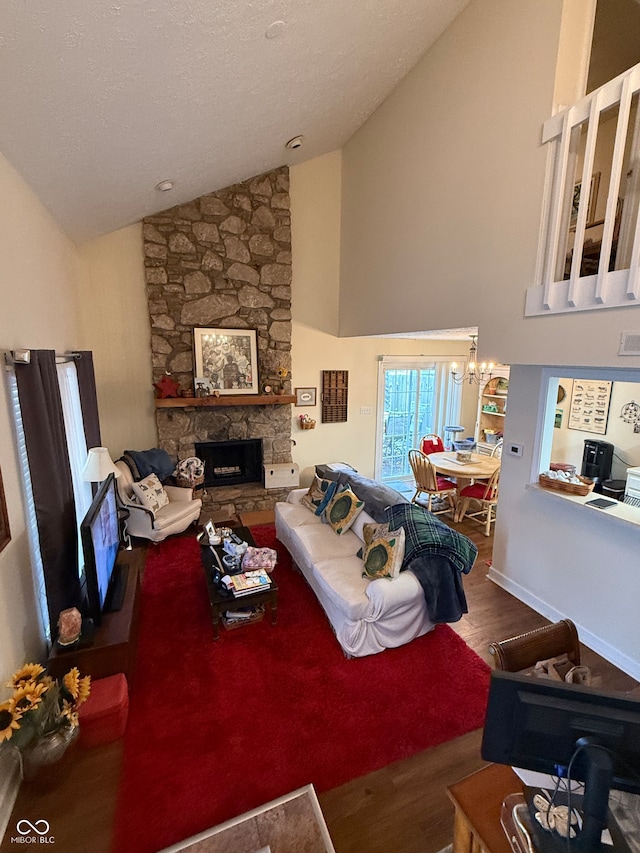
<point>602,267</point>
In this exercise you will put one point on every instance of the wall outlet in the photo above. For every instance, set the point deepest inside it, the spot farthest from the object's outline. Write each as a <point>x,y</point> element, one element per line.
<point>366,410</point>
<point>515,449</point>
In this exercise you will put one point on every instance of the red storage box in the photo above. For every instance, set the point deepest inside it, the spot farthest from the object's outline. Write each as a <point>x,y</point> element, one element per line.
<point>103,717</point>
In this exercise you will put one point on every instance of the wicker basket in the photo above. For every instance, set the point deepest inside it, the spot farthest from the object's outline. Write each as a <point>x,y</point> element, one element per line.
<point>189,482</point>
<point>582,488</point>
<point>307,424</point>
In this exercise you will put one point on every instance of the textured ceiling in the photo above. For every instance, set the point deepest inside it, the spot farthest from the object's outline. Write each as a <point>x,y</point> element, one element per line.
<point>102,100</point>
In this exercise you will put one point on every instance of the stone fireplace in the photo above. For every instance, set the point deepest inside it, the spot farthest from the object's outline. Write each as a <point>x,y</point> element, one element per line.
<point>229,463</point>
<point>223,261</point>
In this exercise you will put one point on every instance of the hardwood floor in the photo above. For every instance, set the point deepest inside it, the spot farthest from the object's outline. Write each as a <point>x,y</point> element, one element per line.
<point>402,808</point>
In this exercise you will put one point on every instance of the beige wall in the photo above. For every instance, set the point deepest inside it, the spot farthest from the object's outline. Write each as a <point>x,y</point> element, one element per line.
<point>315,208</point>
<point>39,275</point>
<point>442,185</point>
<point>114,319</point>
<point>574,52</point>
<point>442,192</point>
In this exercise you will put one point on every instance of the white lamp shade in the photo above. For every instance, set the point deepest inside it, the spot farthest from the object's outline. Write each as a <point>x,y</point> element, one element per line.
<point>98,465</point>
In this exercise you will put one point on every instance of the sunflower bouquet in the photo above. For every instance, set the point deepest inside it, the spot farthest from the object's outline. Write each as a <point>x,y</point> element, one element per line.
<point>41,705</point>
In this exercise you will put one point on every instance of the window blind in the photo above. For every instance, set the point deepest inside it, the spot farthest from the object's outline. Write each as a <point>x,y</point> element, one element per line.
<point>32,524</point>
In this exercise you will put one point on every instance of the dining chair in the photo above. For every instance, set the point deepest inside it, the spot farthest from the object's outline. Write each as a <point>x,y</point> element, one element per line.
<point>428,482</point>
<point>431,443</point>
<point>486,493</point>
<point>497,450</point>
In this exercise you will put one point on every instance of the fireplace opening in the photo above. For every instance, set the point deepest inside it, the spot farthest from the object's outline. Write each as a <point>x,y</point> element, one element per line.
<point>228,463</point>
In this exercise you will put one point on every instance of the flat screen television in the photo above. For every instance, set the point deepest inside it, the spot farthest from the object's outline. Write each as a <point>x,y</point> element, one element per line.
<point>566,730</point>
<point>105,580</point>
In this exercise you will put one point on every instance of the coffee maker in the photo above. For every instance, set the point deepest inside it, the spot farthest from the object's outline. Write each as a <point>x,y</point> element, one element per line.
<point>596,461</point>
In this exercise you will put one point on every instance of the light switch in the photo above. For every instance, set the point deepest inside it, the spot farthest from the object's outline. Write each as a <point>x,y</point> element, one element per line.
<point>366,410</point>
<point>516,449</point>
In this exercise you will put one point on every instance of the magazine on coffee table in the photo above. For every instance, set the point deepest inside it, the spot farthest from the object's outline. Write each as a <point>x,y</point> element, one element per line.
<point>247,582</point>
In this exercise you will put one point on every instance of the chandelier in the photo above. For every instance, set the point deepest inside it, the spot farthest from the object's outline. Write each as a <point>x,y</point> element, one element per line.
<point>478,373</point>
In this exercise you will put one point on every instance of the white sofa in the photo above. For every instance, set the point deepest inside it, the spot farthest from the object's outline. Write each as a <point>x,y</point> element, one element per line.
<point>367,616</point>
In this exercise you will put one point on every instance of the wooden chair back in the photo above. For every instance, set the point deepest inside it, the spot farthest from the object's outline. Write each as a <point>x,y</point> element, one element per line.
<point>525,650</point>
<point>423,471</point>
<point>493,485</point>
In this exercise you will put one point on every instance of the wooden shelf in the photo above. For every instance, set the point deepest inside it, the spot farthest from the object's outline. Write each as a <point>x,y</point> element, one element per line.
<point>226,400</point>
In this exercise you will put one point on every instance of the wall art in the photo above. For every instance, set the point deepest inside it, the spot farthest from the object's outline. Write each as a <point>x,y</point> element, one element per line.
<point>228,359</point>
<point>590,401</point>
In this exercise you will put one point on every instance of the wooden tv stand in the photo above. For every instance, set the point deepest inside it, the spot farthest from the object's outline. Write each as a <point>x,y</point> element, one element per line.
<point>113,648</point>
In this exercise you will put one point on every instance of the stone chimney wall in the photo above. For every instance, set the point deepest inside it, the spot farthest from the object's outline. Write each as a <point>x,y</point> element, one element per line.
<point>223,261</point>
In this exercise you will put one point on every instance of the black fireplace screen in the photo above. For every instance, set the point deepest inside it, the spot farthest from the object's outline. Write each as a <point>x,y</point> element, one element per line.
<point>227,463</point>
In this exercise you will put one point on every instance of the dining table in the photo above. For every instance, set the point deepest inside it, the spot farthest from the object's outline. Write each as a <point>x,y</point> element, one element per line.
<point>479,467</point>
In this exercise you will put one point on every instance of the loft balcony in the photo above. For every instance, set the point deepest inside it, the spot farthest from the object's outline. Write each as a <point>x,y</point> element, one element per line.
<point>589,250</point>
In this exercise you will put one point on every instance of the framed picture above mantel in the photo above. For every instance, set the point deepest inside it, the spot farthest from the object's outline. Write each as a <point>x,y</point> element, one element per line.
<point>227,359</point>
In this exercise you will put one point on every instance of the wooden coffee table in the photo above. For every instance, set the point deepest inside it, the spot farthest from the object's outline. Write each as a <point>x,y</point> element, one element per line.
<point>222,600</point>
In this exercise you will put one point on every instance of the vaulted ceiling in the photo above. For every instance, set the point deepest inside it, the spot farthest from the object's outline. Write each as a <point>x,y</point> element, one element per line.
<point>100,101</point>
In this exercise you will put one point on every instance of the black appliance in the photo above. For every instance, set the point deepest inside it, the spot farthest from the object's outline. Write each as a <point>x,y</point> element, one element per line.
<point>596,461</point>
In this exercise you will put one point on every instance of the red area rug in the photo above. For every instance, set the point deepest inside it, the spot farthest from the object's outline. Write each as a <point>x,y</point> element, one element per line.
<point>217,728</point>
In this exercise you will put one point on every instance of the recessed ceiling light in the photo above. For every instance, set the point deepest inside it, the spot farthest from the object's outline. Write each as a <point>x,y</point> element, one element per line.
<point>296,142</point>
<point>275,29</point>
<point>164,186</point>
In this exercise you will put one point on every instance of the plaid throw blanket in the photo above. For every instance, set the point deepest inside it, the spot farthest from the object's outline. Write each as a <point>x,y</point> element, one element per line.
<point>437,555</point>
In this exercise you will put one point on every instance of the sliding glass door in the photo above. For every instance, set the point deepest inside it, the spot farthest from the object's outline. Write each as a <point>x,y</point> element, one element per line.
<point>414,398</point>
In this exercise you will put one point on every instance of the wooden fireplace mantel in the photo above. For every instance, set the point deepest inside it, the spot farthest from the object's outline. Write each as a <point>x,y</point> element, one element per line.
<point>226,400</point>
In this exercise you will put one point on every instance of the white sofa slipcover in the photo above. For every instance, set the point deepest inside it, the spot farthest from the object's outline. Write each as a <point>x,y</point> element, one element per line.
<point>367,616</point>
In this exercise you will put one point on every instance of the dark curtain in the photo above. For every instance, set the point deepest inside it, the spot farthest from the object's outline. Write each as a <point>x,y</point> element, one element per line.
<point>88,398</point>
<point>46,443</point>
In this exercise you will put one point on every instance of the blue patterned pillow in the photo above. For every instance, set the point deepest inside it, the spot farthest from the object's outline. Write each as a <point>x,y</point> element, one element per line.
<point>319,494</point>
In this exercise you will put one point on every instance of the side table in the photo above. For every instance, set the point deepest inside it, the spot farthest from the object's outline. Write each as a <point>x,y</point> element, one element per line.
<point>477,800</point>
